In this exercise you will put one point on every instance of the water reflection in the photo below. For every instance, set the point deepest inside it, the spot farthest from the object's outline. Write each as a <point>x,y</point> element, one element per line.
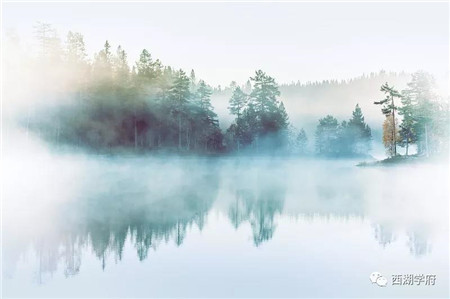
<point>418,243</point>
<point>153,203</point>
<point>111,208</point>
<point>384,234</point>
<point>258,205</point>
<point>148,218</point>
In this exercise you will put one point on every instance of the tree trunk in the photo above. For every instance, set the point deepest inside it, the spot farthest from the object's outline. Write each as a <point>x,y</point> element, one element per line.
<point>407,144</point>
<point>238,131</point>
<point>159,138</point>
<point>394,139</point>
<point>188,143</point>
<point>135,134</point>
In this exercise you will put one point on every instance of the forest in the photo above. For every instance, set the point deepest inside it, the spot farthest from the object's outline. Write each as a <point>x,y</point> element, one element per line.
<point>106,104</point>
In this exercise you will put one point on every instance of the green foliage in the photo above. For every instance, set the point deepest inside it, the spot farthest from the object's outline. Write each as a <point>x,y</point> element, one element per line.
<point>388,103</point>
<point>261,119</point>
<point>388,109</point>
<point>424,116</point>
<point>237,102</point>
<point>120,66</point>
<point>327,136</point>
<point>302,142</point>
<point>148,71</point>
<point>265,92</point>
<point>408,126</point>
<point>146,108</point>
<point>359,132</point>
<point>350,138</point>
<point>150,106</point>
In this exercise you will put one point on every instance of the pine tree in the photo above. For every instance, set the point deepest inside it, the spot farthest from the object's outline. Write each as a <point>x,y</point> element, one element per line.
<point>76,62</point>
<point>283,118</point>
<point>203,94</point>
<point>264,120</point>
<point>357,119</point>
<point>103,64</point>
<point>249,126</point>
<point>265,92</point>
<point>121,68</point>
<point>179,95</point>
<point>75,49</point>
<point>408,125</point>
<point>237,102</point>
<point>388,110</point>
<point>193,80</point>
<point>248,87</point>
<point>360,134</point>
<point>302,142</point>
<point>327,136</point>
<point>420,93</point>
<point>390,140</point>
<point>50,44</point>
<point>204,122</point>
<point>236,106</point>
<point>147,69</point>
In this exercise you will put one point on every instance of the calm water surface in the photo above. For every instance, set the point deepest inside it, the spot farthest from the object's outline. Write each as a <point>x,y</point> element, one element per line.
<point>89,226</point>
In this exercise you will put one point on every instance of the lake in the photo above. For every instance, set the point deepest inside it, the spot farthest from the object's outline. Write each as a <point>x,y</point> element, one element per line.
<point>79,225</point>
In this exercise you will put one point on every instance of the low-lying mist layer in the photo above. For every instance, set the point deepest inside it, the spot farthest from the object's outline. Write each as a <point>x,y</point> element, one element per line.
<point>105,105</point>
<point>103,203</point>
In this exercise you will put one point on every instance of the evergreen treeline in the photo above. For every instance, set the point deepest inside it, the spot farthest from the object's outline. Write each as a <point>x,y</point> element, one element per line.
<point>261,119</point>
<point>147,106</point>
<point>348,138</point>
<point>341,89</point>
<point>104,103</point>
<point>424,117</point>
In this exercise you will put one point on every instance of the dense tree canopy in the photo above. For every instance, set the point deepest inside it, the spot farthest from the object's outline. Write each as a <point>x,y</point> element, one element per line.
<point>424,117</point>
<point>261,119</point>
<point>349,138</point>
<point>105,103</point>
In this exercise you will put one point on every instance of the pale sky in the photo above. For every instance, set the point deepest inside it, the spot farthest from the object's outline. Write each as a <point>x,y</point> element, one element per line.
<point>229,41</point>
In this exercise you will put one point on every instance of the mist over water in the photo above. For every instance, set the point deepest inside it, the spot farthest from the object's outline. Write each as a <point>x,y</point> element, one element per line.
<point>77,224</point>
<point>225,150</point>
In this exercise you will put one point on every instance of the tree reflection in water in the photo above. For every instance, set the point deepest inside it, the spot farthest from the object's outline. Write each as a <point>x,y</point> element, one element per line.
<point>258,205</point>
<point>105,217</point>
<point>152,205</point>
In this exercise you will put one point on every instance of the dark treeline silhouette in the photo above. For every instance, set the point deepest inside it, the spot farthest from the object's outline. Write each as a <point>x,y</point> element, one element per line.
<point>261,119</point>
<point>105,104</point>
<point>146,107</point>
